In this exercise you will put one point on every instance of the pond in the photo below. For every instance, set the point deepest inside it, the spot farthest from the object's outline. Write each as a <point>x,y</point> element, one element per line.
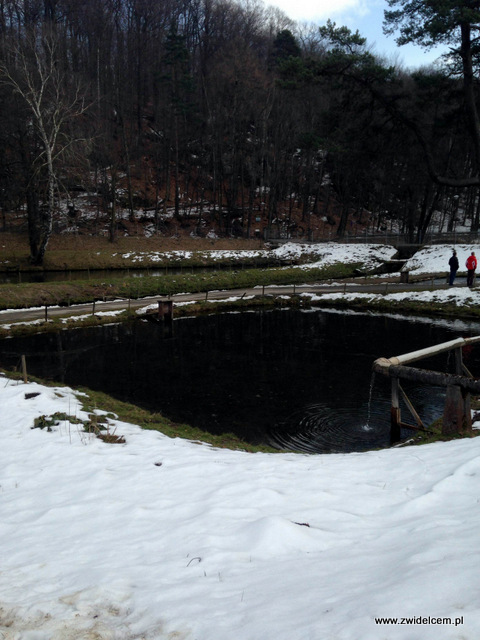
<point>293,379</point>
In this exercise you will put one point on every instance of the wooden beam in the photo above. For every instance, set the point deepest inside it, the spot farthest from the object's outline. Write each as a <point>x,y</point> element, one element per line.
<point>411,408</point>
<point>415,427</point>
<point>395,413</point>
<point>429,377</point>
<point>421,354</point>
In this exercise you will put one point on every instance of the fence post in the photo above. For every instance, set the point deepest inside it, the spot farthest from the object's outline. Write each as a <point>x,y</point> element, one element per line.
<point>24,369</point>
<point>165,311</point>
<point>395,414</point>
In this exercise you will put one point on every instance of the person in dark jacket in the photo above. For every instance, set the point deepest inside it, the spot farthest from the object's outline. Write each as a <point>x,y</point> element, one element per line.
<point>471,265</point>
<point>453,264</point>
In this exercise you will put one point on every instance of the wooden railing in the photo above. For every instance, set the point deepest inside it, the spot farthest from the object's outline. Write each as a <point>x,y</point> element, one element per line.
<point>457,414</point>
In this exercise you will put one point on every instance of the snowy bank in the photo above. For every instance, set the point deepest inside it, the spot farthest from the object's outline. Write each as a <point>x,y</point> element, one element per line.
<point>320,254</point>
<point>433,259</point>
<point>162,538</point>
<point>328,253</point>
<point>458,296</point>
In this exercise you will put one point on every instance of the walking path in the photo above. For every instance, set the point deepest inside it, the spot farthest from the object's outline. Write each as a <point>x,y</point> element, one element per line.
<point>382,286</point>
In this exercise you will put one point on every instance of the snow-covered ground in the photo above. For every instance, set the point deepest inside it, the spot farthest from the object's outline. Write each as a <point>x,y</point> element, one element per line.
<point>434,258</point>
<point>322,254</point>
<point>167,539</point>
<point>429,260</point>
<point>161,538</point>
<point>458,296</point>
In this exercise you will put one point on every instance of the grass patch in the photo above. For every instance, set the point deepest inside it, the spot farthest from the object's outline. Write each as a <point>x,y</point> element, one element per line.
<point>71,252</point>
<point>145,419</point>
<point>21,296</point>
<point>90,426</point>
<point>252,304</point>
<point>56,324</point>
<point>48,422</point>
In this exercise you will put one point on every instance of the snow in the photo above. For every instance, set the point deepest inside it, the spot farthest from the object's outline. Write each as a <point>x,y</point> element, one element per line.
<point>162,538</point>
<point>325,254</point>
<point>172,256</point>
<point>428,260</point>
<point>322,254</point>
<point>166,538</point>
<point>455,295</point>
<point>434,258</point>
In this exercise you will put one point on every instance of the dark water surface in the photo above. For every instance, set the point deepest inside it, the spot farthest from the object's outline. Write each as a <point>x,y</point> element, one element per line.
<point>298,380</point>
<point>14,277</point>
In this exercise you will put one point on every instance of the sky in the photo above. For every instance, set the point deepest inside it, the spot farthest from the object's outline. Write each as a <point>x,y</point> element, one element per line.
<point>159,538</point>
<point>364,15</point>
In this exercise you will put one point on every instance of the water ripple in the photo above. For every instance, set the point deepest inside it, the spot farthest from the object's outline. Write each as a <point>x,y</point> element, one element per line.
<point>319,429</point>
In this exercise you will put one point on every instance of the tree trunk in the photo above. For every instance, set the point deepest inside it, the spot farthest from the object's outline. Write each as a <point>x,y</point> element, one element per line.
<point>342,225</point>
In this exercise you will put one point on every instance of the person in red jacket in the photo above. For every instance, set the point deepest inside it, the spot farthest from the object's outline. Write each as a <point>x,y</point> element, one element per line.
<point>471,265</point>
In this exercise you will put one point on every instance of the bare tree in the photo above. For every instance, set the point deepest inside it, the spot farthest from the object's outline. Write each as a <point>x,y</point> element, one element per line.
<point>33,69</point>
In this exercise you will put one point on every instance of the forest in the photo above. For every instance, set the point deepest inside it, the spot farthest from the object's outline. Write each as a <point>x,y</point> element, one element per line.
<point>228,113</point>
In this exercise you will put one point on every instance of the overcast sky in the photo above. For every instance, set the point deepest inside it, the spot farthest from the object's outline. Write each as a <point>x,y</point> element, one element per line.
<point>364,15</point>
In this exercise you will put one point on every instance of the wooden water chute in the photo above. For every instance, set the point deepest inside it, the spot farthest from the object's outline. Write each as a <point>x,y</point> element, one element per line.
<point>459,386</point>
